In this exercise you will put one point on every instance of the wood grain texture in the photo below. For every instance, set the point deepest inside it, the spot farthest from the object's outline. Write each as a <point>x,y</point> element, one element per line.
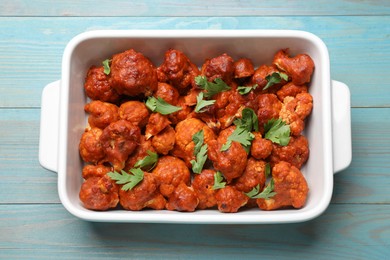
<point>31,49</point>
<point>342,232</point>
<point>365,181</point>
<point>23,180</point>
<point>193,8</point>
<point>33,223</point>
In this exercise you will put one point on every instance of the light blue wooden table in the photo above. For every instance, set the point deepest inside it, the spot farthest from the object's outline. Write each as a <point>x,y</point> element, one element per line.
<point>33,223</point>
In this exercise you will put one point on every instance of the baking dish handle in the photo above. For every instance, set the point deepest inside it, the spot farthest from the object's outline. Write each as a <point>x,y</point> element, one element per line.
<point>341,126</point>
<point>48,136</point>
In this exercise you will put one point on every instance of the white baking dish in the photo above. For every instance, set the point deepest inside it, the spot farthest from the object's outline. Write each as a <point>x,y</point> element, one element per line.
<point>63,119</point>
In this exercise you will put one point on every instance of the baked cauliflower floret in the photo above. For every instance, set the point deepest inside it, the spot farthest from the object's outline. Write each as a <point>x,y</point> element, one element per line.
<point>230,200</point>
<point>119,140</point>
<point>169,173</point>
<point>91,170</point>
<point>140,152</point>
<point>253,175</point>
<point>259,78</point>
<point>290,89</point>
<point>299,68</point>
<point>101,114</point>
<point>295,110</point>
<point>269,107</point>
<point>184,145</point>
<point>183,199</point>
<point>156,124</point>
<point>164,141</point>
<point>230,162</point>
<point>177,70</point>
<point>134,112</point>
<point>133,74</point>
<point>90,146</point>
<point>243,68</point>
<point>98,86</point>
<point>290,187</point>
<point>296,152</point>
<point>219,67</point>
<point>261,148</point>
<point>228,106</point>
<point>168,93</point>
<point>203,186</point>
<point>99,193</point>
<point>140,196</point>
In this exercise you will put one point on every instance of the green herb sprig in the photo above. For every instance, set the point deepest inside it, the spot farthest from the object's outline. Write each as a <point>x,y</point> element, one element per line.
<point>148,162</point>
<point>277,131</point>
<point>159,105</point>
<point>240,135</point>
<point>218,181</point>
<point>275,78</point>
<point>129,180</point>
<point>106,66</point>
<point>243,90</point>
<point>211,88</point>
<point>201,103</point>
<point>267,193</point>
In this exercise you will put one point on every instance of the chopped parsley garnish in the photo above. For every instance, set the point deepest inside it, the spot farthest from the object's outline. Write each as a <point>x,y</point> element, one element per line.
<point>248,120</point>
<point>267,193</point>
<point>201,157</point>
<point>148,161</point>
<point>200,152</point>
<point>277,131</point>
<point>201,103</point>
<point>106,66</point>
<point>243,90</point>
<point>129,180</point>
<point>244,127</point>
<point>161,106</point>
<point>275,78</point>
<point>240,135</point>
<point>218,181</point>
<point>198,139</point>
<point>211,88</point>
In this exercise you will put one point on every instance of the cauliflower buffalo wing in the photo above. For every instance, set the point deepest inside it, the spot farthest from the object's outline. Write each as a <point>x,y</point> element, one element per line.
<point>133,74</point>
<point>99,193</point>
<point>101,114</point>
<point>290,187</point>
<point>98,86</point>
<point>213,142</point>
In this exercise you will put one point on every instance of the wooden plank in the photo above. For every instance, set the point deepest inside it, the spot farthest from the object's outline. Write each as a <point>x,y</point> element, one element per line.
<point>365,181</point>
<point>193,8</point>
<point>20,171</point>
<point>47,231</point>
<point>31,49</point>
<point>368,177</point>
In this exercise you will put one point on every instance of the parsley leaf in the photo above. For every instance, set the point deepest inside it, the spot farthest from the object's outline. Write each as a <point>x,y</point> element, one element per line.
<point>129,180</point>
<point>267,193</point>
<point>218,181</point>
<point>277,131</point>
<point>243,90</point>
<point>198,139</point>
<point>149,160</point>
<point>161,106</point>
<point>275,78</point>
<point>248,120</point>
<point>201,157</point>
<point>106,66</point>
<point>200,103</point>
<point>241,135</point>
<point>211,88</point>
